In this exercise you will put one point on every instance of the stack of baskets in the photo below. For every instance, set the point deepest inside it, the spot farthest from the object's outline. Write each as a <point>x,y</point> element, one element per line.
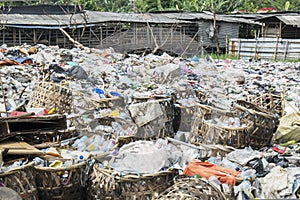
<point>21,180</point>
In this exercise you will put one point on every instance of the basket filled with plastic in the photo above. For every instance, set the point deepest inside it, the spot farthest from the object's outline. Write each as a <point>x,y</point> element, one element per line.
<point>216,126</point>
<point>153,117</point>
<point>192,188</point>
<point>20,177</point>
<point>54,97</point>
<point>139,170</point>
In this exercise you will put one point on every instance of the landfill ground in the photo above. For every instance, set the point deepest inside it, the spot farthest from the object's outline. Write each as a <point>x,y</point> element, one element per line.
<point>95,124</point>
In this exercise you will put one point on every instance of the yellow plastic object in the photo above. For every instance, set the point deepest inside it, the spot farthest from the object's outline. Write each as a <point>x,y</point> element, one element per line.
<point>115,113</point>
<point>51,111</point>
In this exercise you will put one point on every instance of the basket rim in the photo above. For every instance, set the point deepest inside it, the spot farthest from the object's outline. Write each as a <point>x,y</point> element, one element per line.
<point>14,170</point>
<point>110,172</point>
<point>55,169</point>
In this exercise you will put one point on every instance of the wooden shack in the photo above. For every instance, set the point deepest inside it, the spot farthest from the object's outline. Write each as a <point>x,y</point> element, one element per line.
<point>286,26</point>
<point>183,34</point>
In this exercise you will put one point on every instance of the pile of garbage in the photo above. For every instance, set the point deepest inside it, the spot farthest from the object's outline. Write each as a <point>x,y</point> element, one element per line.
<point>115,96</point>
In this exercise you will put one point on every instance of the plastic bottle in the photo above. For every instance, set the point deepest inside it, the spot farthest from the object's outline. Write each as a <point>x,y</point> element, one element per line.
<point>247,173</point>
<point>108,145</point>
<point>98,141</point>
<point>81,140</point>
<point>14,165</point>
<point>64,178</point>
<point>215,160</point>
<point>215,182</point>
<point>230,165</point>
<point>38,161</point>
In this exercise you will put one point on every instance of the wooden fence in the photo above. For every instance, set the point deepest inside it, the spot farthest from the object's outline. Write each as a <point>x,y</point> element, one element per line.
<point>265,48</point>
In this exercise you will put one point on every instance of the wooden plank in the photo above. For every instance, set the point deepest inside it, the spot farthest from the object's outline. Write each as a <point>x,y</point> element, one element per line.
<point>19,148</point>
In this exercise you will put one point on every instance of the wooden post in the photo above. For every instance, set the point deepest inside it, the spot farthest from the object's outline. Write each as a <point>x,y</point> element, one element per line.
<point>90,36</point>
<point>34,36</point>
<point>280,27</point>
<point>239,49</point>
<point>49,37</point>
<point>20,37</point>
<point>226,45</point>
<point>276,48</point>
<point>286,49</point>
<point>14,36</point>
<point>255,51</point>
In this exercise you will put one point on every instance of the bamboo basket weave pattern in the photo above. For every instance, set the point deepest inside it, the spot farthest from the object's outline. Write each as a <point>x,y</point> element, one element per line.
<point>50,95</point>
<point>106,185</point>
<point>184,117</point>
<point>192,188</point>
<point>209,133</point>
<point>269,102</point>
<point>162,126</point>
<point>21,180</point>
<point>51,185</point>
<point>264,125</point>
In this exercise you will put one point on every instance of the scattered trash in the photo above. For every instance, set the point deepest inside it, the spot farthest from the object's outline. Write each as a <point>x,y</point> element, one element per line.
<point>140,121</point>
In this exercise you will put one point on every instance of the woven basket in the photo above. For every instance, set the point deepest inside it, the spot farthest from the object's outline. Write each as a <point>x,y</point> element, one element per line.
<point>51,95</point>
<point>184,117</point>
<point>21,180</point>
<point>269,103</point>
<point>162,126</point>
<point>192,188</point>
<point>50,184</point>
<point>264,125</point>
<point>106,185</point>
<point>209,133</point>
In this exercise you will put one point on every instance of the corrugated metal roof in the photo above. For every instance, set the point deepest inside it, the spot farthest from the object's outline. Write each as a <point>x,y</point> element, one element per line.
<point>293,20</point>
<point>89,17</point>
<point>207,16</point>
<point>95,17</point>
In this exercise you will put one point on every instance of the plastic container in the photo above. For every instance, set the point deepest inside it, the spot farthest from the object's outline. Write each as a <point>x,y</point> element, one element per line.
<point>230,165</point>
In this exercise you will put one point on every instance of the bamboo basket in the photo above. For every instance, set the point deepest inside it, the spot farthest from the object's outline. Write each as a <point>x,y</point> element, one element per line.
<point>264,125</point>
<point>163,125</point>
<point>107,185</point>
<point>269,103</point>
<point>192,188</point>
<point>204,131</point>
<point>21,180</point>
<point>51,95</point>
<point>51,185</point>
<point>184,117</point>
